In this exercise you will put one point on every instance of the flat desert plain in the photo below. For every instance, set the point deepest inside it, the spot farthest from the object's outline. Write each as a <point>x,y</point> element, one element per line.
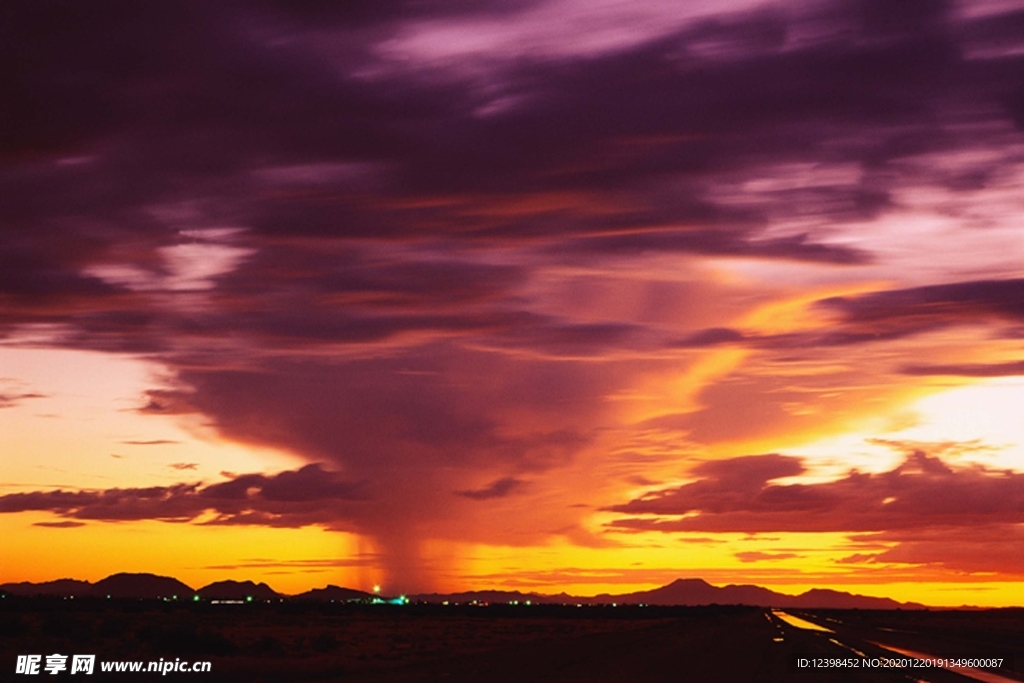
<point>378,643</point>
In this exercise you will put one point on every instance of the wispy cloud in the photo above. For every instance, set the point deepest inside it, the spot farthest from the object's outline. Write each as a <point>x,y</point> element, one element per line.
<point>310,495</point>
<point>151,442</point>
<point>11,400</point>
<point>922,511</point>
<point>499,488</point>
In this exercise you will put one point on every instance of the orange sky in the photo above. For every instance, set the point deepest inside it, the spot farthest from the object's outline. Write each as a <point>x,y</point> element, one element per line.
<point>442,300</point>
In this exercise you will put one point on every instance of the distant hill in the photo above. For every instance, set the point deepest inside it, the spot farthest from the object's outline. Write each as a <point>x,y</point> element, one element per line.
<point>335,593</point>
<point>116,586</point>
<point>696,592</point>
<point>59,588</point>
<point>684,592</point>
<point>238,590</point>
<point>680,592</point>
<point>700,592</point>
<point>823,597</point>
<point>141,586</point>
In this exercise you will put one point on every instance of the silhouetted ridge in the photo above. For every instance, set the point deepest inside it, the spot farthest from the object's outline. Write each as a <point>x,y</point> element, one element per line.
<point>238,590</point>
<point>141,586</point>
<point>682,592</point>
<point>335,593</point>
<point>60,588</point>
<point>698,592</point>
<point>824,597</point>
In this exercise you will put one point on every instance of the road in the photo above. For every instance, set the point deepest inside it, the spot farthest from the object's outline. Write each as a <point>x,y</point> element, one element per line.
<point>863,641</point>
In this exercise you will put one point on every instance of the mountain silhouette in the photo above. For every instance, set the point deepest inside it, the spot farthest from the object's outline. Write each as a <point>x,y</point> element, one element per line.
<point>59,588</point>
<point>238,590</point>
<point>824,597</point>
<point>122,585</point>
<point>141,586</point>
<point>683,592</point>
<point>696,592</point>
<point>700,592</point>
<point>335,593</point>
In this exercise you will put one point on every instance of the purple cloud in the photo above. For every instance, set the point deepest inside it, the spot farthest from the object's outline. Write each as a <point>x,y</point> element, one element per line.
<point>499,488</point>
<point>310,495</point>
<point>737,495</point>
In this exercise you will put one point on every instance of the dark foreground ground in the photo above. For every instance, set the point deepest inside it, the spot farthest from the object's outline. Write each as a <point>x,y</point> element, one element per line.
<point>384,643</point>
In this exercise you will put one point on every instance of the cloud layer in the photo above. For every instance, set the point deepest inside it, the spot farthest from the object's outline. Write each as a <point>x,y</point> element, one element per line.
<point>963,518</point>
<point>310,495</point>
<point>467,262</point>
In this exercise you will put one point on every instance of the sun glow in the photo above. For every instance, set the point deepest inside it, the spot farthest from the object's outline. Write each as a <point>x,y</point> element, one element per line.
<point>977,423</point>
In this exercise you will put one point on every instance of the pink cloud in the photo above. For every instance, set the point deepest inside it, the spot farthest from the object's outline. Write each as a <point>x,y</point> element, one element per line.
<point>738,495</point>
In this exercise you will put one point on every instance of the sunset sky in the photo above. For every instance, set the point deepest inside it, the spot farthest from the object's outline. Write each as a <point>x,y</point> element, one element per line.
<point>581,295</point>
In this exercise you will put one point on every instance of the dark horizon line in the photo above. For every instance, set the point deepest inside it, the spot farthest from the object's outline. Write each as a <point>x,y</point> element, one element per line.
<point>692,591</point>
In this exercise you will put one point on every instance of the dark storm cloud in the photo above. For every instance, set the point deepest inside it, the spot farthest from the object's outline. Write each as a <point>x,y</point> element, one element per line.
<point>923,492</point>
<point>190,96</point>
<point>400,418</point>
<point>187,104</point>
<point>287,499</point>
